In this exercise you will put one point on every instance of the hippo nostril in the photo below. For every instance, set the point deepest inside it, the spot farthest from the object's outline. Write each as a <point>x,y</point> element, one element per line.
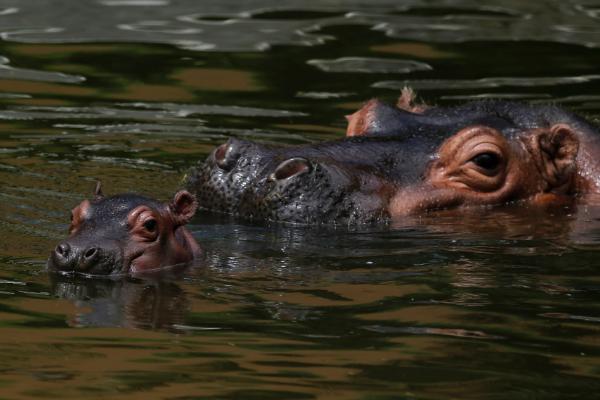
<point>90,253</point>
<point>62,250</point>
<point>221,153</point>
<point>226,156</point>
<point>62,257</point>
<point>289,168</point>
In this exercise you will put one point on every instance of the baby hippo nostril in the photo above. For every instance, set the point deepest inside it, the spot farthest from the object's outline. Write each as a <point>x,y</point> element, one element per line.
<point>62,250</point>
<point>62,256</point>
<point>290,168</point>
<point>90,254</point>
<point>226,156</point>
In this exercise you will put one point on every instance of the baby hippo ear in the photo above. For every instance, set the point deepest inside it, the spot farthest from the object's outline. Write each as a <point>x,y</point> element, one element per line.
<point>98,191</point>
<point>558,148</point>
<point>183,207</point>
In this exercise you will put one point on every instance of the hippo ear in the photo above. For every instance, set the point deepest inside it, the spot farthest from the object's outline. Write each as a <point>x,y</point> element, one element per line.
<point>183,207</point>
<point>557,149</point>
<point>408,101</point>
<point>98,191</point>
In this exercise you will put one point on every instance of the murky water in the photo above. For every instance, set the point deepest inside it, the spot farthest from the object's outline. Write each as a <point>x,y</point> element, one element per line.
<point>489,305</point>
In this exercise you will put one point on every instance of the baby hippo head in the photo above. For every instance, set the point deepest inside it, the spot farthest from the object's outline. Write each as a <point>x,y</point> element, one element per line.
<point>127,233</point>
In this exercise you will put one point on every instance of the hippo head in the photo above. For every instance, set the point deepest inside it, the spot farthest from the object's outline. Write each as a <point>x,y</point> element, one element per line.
<point>127,233</point>
<point>484,154</point>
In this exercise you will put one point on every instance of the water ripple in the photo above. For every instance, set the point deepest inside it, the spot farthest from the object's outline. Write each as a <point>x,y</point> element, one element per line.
<point>571,317</point>
<point>142,111</point>
<point>370,65</point>
<point>8,72</point>
<point>456,332</point>
<point>485,83</point>
<point>185,110</point>
<point>230,25</point>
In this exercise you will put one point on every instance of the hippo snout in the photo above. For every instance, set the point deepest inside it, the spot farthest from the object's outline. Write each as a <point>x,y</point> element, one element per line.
<point>71,257</point>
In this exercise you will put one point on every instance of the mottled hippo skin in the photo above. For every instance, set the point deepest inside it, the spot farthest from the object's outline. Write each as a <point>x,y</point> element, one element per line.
<point>408,159</point>
<point>127,233</point>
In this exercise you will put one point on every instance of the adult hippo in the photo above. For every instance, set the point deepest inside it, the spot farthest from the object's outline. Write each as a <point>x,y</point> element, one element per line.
<point>127,233</point>
<point>409,159</point>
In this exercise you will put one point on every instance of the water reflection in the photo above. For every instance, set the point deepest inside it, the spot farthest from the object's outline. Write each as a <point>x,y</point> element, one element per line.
<point>258,25</point>
<point>8,72</point>
<point>149,304</point>
<point>280,270</point>
<point>375,308</point>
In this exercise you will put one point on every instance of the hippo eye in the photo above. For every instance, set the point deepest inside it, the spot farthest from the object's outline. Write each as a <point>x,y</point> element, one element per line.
<point>487,161</point>
<point>150,225</point>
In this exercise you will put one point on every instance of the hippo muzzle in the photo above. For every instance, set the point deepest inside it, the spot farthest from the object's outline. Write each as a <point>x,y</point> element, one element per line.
<point>85,256</point>
<point>334,182</point>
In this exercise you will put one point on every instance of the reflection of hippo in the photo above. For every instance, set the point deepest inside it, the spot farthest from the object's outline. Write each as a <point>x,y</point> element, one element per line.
<point>148,304</point>
<point>407,160</point>
<point>127,233</point>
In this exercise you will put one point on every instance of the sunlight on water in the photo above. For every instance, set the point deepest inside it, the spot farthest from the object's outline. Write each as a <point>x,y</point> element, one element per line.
<point>369,65</point>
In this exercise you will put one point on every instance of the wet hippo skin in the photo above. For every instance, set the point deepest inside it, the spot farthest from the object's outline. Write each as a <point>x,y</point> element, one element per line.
<point>127,233</point>
<point>408,159</point>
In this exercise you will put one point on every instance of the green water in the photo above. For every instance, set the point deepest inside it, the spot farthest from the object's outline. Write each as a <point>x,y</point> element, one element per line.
<point>498,304</point>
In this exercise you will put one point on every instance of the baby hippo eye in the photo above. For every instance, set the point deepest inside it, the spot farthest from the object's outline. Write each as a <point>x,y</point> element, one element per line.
<point>487,161</point>
<point>150,225</point>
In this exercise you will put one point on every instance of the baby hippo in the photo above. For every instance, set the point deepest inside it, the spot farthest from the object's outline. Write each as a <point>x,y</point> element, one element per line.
<point>127,233</point>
